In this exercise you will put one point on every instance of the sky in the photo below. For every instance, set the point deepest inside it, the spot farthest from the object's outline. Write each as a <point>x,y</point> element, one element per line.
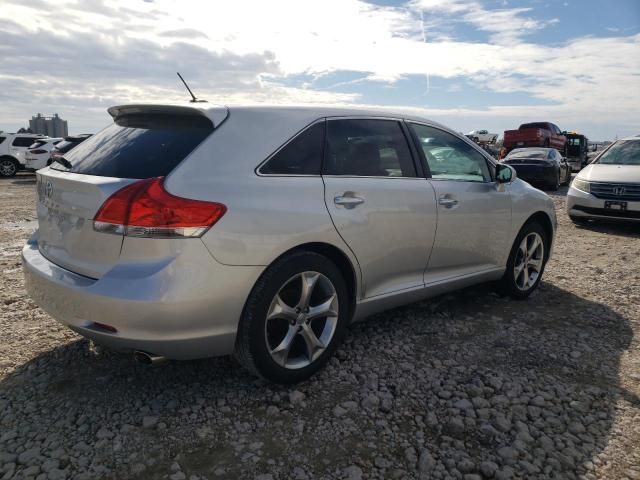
<point>470,64</point>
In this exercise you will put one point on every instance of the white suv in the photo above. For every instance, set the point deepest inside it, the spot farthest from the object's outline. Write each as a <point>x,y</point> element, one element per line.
<point>13,149</point>
<point>37,156</point>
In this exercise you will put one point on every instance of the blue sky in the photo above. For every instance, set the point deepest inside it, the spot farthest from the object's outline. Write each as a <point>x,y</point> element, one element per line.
<point>467,63</point>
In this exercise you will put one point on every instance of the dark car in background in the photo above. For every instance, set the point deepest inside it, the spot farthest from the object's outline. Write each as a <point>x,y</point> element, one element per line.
<point>540,166</point>
<point>66,145</point>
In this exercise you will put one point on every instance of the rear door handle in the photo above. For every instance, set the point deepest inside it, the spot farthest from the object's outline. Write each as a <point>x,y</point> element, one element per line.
<point>348,202</point>
<point>447,202</point>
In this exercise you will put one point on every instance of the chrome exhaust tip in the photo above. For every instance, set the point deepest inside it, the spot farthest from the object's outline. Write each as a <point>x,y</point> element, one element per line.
<point>148,358</point>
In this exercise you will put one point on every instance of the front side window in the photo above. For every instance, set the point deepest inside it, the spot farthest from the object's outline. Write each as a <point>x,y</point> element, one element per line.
<point>367,148</point>
<point>301,156</point>
<point>449,158</point>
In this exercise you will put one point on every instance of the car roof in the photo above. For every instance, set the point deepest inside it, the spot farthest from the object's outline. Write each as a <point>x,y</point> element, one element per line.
<point>217,113</point>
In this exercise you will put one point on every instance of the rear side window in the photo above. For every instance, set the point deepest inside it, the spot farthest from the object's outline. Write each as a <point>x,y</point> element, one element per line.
<point>23,141</point>
<point>2,139</point>
<point>367,148</point>
<point>137,146</point>
<point>301,156</point>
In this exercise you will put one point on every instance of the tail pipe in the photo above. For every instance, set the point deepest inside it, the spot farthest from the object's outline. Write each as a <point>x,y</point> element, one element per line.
<point>148,358</point>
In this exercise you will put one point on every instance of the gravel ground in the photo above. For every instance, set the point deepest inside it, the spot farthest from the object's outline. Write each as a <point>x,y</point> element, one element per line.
<point>469,385</point>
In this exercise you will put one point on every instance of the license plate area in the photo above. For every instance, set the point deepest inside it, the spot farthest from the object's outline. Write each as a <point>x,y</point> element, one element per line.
<point>612,205</point>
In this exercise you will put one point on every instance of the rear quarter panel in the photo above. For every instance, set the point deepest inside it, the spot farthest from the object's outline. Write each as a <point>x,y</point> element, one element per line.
<point>266,215</point>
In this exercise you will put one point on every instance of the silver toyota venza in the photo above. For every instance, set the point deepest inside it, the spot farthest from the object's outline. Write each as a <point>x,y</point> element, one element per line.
<point>186,231</point>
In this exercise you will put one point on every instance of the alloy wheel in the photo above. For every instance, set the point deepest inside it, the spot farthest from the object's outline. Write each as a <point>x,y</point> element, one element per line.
<point>301,320</point>
<point>7,168</point>
<point>529,261</point>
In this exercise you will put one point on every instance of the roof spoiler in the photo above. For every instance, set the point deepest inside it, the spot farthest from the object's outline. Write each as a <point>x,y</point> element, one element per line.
<point>217,114</point>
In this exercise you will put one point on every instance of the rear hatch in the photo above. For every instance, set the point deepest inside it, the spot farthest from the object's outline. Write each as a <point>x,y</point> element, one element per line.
<point>141,143</point>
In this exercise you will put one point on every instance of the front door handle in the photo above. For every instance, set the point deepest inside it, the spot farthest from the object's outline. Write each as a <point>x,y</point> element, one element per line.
<point>447,202</point>
<point>348,202</point>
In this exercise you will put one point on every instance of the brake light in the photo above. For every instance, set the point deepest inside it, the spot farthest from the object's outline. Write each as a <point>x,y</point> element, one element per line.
<point>37,152</point>
<point>146,209</point>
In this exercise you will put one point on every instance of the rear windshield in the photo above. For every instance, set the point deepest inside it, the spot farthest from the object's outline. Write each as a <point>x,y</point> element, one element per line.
<point>541,154</point>
<point>65,146</point>
<point>542,125</point>
<point>138,146</point>
<point>37,144</point>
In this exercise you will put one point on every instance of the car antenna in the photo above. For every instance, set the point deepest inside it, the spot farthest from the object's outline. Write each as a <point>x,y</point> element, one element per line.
<point>193,97</point>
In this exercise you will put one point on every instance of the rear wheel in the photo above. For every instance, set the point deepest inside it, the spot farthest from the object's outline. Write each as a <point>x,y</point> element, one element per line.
<point>294,319</point>
<point>556,185</point>
<point>8,167</point>
<point>526,262</point>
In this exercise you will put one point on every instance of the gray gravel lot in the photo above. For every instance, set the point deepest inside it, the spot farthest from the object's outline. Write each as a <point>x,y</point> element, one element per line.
<point>466,386</point>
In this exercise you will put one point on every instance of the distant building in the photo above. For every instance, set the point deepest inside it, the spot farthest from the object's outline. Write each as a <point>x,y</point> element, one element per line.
<point>50,126</point>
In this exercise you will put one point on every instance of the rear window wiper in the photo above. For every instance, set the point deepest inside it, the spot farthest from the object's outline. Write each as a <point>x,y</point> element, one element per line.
<point>63,161</point>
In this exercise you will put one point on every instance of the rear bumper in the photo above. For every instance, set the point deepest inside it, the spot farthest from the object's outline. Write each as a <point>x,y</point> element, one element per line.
<point>184,307</point>
<point>537,174</point>
<point>575,163</point>
<point>585,205</point>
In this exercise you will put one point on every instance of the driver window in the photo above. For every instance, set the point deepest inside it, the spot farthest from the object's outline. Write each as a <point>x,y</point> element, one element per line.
<point>449,158</point>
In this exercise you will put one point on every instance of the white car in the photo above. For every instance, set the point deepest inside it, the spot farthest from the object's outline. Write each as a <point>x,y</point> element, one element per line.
<point>482,136</point>
<point>609,187</point>
<point>37,155</point>
<point>13,149</point>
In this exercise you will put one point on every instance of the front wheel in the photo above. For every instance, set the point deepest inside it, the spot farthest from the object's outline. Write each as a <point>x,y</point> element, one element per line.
<point>526,262</point>
<point>294,319</point>
<point>8,167</point>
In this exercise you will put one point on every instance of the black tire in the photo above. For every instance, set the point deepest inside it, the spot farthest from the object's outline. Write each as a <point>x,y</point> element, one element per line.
<point>507,285</point>
<point>252,350</point>
<point>553,187</point>
<point>8,167</point>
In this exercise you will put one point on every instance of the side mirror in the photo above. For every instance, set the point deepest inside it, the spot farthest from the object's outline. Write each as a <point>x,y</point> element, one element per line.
<point>505,173</point>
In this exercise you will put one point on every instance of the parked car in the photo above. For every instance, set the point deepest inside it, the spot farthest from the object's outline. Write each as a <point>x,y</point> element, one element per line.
<point>577,150</point>
<point>609,187</point>
<point>540,166</point>
<point>69,143</point>
<point>186,231</point>
<point>537,134</point>
<point>13,149</point>
<point>38,153</point>
<point>482,136</point>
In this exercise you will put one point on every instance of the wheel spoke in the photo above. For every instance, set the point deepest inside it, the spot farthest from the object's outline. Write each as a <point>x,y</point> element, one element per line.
<point>325,309</point>
<point>309,281</point>
<point>281,353</point>
<point>534,246</point>
<point>279,309</point>
<point>312,342</point>
<point>535,264</point>
<point>525,278</point>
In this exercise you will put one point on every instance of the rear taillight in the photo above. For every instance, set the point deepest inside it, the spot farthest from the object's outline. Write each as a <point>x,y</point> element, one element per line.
<point>37,152</point>
<point>146,209</point>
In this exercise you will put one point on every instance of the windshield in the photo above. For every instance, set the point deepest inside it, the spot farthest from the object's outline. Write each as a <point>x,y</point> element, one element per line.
<point>539,154</point>
<point>623,152</point>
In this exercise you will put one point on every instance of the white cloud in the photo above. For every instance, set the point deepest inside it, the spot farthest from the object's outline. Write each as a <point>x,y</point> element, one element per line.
<point>252,51</point>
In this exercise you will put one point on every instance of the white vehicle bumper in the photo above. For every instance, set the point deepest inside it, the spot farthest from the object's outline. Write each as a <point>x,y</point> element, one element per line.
<point>584,205</point>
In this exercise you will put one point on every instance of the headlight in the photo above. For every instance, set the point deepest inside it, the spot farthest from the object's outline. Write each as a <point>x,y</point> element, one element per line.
<point>581,185</point>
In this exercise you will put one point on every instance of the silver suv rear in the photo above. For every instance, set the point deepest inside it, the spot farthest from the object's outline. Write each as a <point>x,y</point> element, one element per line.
<point>192,231</point>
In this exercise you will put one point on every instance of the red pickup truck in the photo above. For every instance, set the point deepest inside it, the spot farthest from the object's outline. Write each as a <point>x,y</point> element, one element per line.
<point>537,134</point>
